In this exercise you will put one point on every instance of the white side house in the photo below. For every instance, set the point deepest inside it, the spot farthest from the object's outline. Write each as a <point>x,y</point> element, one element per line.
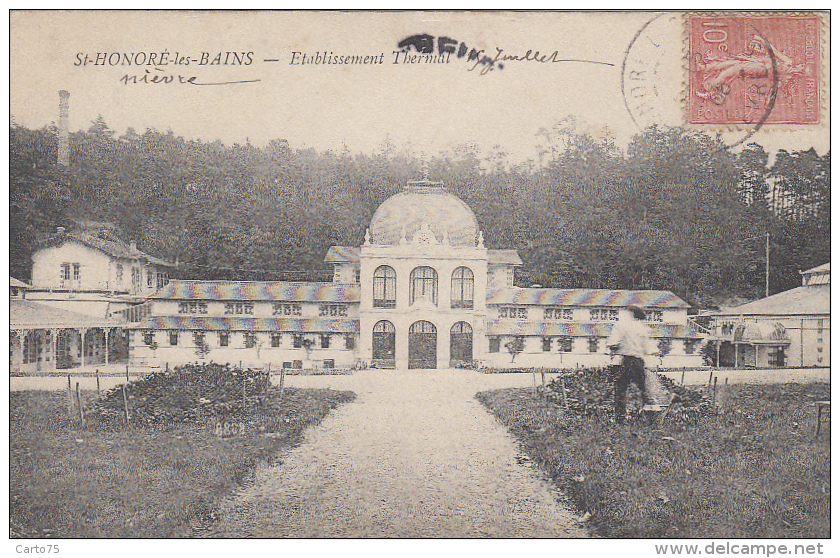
<point>85,262</point>
<point>791,328</point>
<point>94,275</point>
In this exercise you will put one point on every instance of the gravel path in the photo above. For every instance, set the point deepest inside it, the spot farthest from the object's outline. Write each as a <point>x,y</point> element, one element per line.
<point>414,456</point>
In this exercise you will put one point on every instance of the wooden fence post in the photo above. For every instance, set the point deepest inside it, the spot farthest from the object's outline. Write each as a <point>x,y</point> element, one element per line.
<point>282,380</point>
<point>820,405</point>
<point>682,380</point>
<point>125,404</point>
<point>98,391</point>
<point>542,375</point>
<point>69,397</point>
<point>565,399</point>
<point>81,411</point>
<point>724,393</point>
<point>126,372</point>
<point>714,394</point>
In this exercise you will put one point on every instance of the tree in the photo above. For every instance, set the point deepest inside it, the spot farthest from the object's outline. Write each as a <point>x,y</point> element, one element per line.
<point>515,346</point>
<point>202,349</point>
<point>98,128</point>
<point>677,211</point>
<point>752,166</point>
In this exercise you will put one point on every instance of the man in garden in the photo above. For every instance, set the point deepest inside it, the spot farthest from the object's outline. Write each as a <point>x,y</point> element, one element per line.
<point>631,339</point>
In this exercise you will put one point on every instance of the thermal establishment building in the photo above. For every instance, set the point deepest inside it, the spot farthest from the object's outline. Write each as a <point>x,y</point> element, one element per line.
<point>422,291</point>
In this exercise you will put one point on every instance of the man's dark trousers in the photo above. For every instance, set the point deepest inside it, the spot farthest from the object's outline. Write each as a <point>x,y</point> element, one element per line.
<point>632,370</point>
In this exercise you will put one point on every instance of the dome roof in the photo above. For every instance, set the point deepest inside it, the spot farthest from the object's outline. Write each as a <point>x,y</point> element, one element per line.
<point>761,332</point>
<point>424,202</point>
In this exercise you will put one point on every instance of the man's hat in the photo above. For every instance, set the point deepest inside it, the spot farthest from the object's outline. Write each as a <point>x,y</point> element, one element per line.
<point>638,311</point>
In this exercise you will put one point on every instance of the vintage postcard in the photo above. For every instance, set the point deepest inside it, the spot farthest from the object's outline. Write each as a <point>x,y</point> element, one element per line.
<point>421,274</point>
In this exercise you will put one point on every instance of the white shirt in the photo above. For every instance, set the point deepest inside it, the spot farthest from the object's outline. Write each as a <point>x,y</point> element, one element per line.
<point>632,338</point>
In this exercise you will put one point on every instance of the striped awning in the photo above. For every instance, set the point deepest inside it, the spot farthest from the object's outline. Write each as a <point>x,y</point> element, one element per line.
<point>258,290</point>
<point>566,329</point>
<point>294,325</point>
<point>584,297</point>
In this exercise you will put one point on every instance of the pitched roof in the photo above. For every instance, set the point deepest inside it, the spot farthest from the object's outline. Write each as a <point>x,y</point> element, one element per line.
<point>513,327</point>
<point>502,257</point>
<point>585,297</point>
<point>259,290</point>
<point>24,313</point>
<point>814,299</point>
<point>342,254</point>
<point>18,283</point>
<point>819,269</point>
<point>211,323</point>
<point>115,248</point>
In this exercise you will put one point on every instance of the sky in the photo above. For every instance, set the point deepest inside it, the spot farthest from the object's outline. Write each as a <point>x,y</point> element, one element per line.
<point>420,107</point>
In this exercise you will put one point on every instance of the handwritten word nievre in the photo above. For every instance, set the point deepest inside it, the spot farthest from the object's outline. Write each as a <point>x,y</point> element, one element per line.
<point>164,79</point>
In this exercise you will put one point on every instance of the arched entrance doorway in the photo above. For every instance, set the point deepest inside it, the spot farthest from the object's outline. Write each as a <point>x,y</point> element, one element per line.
<point>460,345</point>
<point>384,342</point>
<point>422,345</point>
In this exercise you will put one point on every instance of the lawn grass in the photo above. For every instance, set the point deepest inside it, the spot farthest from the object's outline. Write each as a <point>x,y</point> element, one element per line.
<point>754,470</point>
<point>66,481</point>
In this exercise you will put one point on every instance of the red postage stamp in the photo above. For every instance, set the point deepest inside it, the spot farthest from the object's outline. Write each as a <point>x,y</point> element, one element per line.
<point>754,70</point>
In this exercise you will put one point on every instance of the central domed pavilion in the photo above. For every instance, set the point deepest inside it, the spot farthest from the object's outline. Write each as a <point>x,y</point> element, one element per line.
<point>402,215</point>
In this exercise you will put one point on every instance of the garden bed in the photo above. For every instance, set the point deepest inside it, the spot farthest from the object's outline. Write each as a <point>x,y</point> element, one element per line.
<point>751,468</point>
<point>161,474</point>
<point>590,392</point>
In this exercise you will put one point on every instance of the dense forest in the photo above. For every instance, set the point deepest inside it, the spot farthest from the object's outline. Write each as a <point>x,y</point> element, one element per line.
<point>674,210</point>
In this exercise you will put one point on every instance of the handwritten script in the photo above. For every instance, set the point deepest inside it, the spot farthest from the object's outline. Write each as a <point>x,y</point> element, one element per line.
<point>164,79</point>
<point>480,59</point>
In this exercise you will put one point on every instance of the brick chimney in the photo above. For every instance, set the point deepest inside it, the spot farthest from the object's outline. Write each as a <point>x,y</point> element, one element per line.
<point>63,128</point>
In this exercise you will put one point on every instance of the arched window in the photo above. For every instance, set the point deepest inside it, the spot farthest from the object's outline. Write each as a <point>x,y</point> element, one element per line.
<point>461,328</point>
<point>462,288</point>
<point>424,284</point>
<point>384,287</point>
<point>422,327</point>
<point>384,326</point>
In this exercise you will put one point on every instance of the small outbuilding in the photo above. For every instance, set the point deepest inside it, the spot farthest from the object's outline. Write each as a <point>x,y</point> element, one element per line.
<point>791,328</point>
